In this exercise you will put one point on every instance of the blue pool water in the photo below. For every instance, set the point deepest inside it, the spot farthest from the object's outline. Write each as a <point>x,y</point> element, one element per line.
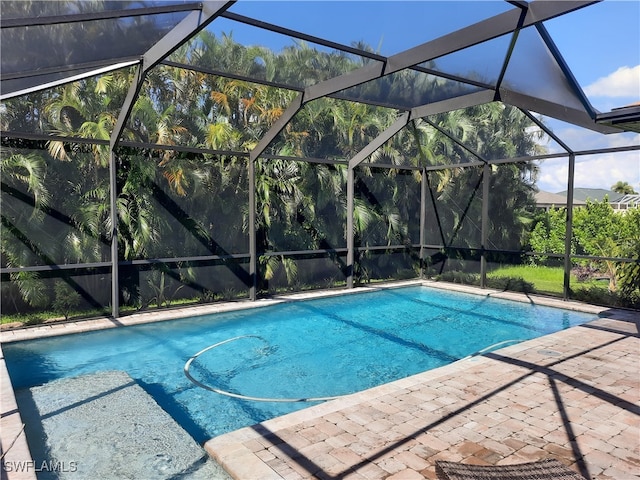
<point>313,348</point>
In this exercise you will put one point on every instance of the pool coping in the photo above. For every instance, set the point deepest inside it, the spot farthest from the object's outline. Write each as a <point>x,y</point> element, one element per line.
<point>13,441</point>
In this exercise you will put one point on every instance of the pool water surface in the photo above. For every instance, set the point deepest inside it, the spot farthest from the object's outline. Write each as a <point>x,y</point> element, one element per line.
<point>312,348</point>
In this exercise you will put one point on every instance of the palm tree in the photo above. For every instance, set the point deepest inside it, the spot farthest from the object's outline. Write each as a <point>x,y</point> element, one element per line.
<point>623,188</point>
<point>23,178</point>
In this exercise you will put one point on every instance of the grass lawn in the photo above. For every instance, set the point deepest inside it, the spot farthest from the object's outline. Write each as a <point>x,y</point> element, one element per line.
<point>544,279</point>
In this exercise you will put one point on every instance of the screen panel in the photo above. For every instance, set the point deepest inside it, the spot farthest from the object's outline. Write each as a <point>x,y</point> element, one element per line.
<point>387,206</point>
<point>377,265</point>
<point>388,27</point>
<point>236,48</point>
<point>53,48</point>
<point>54,204</point>
<point>283,273</point>
<point>512,206</point>
<point>331,129</point>
<point>176,204</point>
<point>300,205</point>
<point>183,107</point>
<point>36,297</point>
<point>407,89</point>
<point>163,285</point>
<point>454,207</point>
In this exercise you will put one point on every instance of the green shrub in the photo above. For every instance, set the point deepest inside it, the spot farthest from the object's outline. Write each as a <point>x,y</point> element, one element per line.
<point>513,284</point>
<point>65,299</point>
<point>459,277</point>
<point>602,296</point>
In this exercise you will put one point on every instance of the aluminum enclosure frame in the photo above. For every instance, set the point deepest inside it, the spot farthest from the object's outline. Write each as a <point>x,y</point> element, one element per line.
<point>510,22</point>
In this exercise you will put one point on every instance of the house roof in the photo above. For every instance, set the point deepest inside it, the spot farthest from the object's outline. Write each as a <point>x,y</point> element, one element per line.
<point>593,194</point>
<point>629,199</point>
<point>548,199</point>
<point>627,117</point>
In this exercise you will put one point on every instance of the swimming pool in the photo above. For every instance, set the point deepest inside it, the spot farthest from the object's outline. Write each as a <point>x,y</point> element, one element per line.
<point>312,348</point>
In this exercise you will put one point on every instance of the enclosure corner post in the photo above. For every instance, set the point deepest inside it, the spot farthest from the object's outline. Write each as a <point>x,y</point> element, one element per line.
<point>569,230</point>
<point>486,180</point>
<point>349,232</point>
<point>423,218</point>
<point>253,259</point>
<point>113,199</point>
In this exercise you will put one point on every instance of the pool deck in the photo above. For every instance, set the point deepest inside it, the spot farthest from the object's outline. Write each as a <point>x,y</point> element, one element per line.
<point>573,395</point>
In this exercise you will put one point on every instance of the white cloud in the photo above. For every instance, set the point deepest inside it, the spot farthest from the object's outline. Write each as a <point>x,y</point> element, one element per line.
<point>624,82</point>
<point>592,171</point>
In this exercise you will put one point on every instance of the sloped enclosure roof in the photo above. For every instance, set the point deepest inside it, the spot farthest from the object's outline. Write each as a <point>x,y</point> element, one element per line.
<point>493,51</point>
<point>387,132</point>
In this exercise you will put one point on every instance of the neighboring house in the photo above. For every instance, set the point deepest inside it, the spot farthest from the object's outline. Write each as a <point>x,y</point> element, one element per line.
<point>618,201</point>
<point>547,200</point>
<point>625,202</point>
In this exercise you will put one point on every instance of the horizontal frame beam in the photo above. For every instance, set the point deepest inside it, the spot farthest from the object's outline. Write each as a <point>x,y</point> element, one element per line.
<point>93,16</point>
<point>157,146</point>
<point>551,109</point>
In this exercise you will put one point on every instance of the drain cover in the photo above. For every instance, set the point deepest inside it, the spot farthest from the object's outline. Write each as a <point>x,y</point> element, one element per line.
<point>549,353</point>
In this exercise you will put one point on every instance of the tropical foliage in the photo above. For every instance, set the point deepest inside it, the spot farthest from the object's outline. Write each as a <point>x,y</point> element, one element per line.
<point>192,208</point>
<point>600,232</point>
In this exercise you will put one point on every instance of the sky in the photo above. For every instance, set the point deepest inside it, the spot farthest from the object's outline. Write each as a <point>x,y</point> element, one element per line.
<point>600,44</point>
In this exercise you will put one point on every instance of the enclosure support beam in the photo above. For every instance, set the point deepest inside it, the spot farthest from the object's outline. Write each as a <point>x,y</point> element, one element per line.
<point>488,29</point>
<point>125,111</point>
<point>547,131</point>
<point>349,232</point>
<point>423,217</point>
<point>569,229</point>
<point>253,251</point>
<point>554,110</point>
<point>192,24</point>
<point>380,140</point>
<point>187,28</point>
<point>486,180</point>
<point>357,159</point>
<point>342,82</point>
<point>113,198</point>
<point>276,128</point>
<point>457,142</point>
<point>569,218</point>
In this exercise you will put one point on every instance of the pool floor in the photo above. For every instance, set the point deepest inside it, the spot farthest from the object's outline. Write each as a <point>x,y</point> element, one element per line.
<point>119,429</point>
